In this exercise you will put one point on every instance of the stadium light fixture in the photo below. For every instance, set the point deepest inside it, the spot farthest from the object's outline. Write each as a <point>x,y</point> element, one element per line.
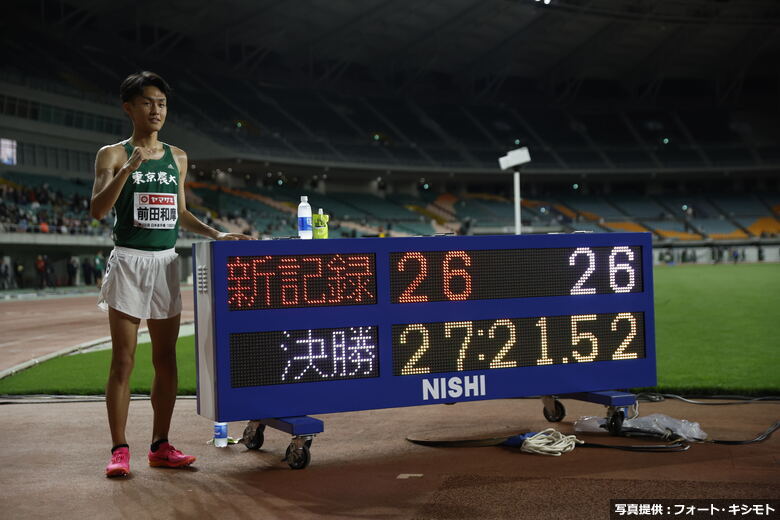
<point>515,159</point>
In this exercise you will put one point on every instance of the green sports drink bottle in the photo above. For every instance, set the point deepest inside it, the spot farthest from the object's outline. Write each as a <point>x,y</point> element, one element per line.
<point>320,224</point>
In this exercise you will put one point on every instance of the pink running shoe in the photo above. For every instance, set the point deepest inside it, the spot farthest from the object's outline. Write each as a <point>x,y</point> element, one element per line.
<point>167,456</point>
<point>120,463</point>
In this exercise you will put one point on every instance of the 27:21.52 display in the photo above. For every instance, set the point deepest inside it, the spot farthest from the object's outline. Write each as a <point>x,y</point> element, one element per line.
<point>456,346</point>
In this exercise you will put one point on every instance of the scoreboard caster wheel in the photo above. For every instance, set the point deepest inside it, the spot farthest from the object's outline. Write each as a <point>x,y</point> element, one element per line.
<point>298,458</point>
<point>254,435</point>
<point>553,410</point>
<point>615,422</point>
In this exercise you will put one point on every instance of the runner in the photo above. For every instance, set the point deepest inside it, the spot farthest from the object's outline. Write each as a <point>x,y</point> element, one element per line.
<point>143,179</point>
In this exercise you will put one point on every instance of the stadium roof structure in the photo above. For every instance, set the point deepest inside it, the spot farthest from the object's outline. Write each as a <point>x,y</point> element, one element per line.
<point>477,43</point>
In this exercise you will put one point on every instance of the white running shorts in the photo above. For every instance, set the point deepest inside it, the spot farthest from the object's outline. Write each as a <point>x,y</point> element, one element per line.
<point>143,284</point>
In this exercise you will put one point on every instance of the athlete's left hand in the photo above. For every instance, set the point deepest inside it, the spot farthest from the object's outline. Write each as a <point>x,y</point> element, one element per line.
<point>233,236</point>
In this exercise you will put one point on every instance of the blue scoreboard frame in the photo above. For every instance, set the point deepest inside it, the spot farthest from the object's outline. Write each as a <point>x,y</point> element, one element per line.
<point>430,319</point>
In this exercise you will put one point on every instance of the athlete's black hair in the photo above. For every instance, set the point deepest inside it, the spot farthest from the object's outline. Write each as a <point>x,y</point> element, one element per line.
<point>134,84</point>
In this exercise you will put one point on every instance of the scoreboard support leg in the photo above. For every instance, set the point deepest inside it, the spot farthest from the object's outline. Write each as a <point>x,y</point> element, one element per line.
<point>303,425</point>
<point>302,428</point>
<point>607,398</point>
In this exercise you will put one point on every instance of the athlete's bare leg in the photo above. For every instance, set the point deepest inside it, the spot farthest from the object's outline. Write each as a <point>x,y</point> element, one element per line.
<point>164,334</point>
<point>124,334</point>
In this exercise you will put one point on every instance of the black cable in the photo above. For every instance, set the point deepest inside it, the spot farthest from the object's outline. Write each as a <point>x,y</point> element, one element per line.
<point>675,446</point>
<point>649,448</point>
<point>652,397</point>
<point>762,437</point>
<point>466,443</point>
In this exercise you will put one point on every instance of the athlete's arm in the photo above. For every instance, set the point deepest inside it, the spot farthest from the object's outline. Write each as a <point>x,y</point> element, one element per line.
<point>189,221</point>
<point>110,176</point>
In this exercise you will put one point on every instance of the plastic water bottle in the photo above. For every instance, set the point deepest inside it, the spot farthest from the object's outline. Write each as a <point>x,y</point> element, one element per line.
<point>304,218</point>
<point>220,434</point>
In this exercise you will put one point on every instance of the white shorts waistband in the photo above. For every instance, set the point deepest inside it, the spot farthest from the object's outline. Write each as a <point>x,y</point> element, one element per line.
<point>143,253</point>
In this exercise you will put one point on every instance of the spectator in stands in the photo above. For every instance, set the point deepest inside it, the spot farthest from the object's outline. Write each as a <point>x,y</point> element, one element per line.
<point>19,272</point>
<point>40,269</point>
<point>86,271</point>
<point>51,278</point>
<point>144,250</point>
<point>73,269</point>
<point>6,278</point>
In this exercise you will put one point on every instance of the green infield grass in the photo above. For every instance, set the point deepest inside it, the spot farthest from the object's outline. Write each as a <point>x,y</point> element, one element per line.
<point>716,333</point>
<point>86,374</point>
<point>716,328</point>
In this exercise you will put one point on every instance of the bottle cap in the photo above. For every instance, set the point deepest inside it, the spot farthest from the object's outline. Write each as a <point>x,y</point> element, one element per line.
<point>304,198</point>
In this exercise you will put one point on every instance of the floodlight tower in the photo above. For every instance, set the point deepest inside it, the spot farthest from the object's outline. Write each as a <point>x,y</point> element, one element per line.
<point>515,159</point>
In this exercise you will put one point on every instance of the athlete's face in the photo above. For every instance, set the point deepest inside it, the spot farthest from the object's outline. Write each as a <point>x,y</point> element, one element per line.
<point>148,110</point>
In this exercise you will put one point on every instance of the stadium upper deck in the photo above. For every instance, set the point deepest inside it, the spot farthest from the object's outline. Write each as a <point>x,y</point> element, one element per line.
<point>369,120</point>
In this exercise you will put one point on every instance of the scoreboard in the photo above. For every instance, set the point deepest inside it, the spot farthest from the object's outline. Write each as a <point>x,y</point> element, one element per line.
<point>297,327</point>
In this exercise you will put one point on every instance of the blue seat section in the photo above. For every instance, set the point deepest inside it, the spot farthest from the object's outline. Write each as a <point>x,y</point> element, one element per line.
<point>714,225</point>
<point>667,225</point>
<point>701,206</point>
<point>491,212</point>
<point>638,206</point>
<point>373,206</point>
<point>404,199</point>
<point>593,204</point>
<point>739,205</point>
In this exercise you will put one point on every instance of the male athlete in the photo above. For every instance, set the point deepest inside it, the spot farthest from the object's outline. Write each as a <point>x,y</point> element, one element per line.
<point>143,180</point>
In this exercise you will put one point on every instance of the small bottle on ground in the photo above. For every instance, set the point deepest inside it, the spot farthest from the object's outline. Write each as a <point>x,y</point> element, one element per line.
<point>220,434</point>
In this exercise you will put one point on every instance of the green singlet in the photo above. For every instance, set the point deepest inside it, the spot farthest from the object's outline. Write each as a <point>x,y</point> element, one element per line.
<point>147,207</point>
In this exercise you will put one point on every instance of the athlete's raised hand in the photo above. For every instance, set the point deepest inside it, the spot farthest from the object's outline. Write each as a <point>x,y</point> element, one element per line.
<point>140,154</point>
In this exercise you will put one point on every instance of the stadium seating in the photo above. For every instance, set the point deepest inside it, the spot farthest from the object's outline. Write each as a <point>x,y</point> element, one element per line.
<point>592,207</point>
<point>638,207</point>
<point>718,228</point>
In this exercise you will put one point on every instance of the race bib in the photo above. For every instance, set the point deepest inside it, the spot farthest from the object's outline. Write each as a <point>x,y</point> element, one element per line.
<point>155,210</point>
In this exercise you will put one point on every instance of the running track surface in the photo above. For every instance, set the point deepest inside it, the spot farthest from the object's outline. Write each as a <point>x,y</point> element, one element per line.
<point>35,328</point>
